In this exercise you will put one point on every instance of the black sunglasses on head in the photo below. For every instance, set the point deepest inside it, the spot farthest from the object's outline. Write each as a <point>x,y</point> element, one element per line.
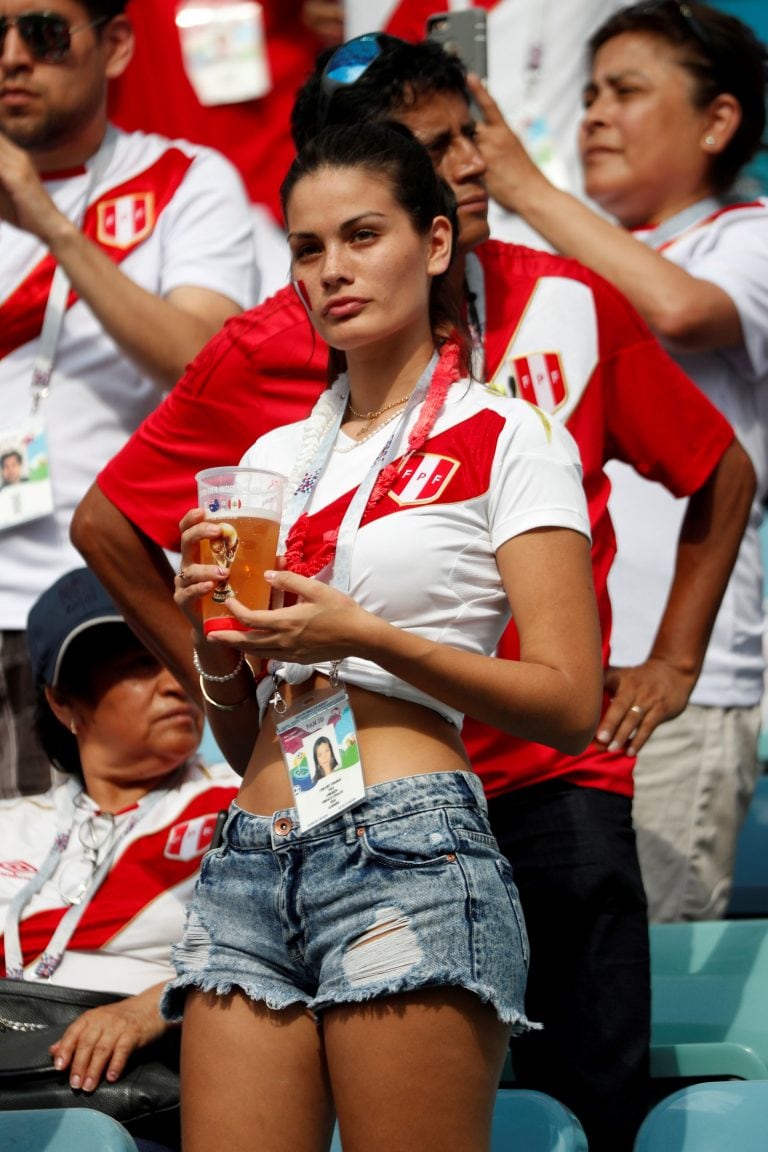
<point>47,35</point>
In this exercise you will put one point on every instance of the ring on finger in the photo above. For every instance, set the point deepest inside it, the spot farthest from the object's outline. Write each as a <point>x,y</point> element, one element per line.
<point>182,575</point>
<point>637,709</point>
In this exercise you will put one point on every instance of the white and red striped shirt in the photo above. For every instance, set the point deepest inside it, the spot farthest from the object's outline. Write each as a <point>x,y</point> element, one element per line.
<point>123,941</point>
<point>171,215</point>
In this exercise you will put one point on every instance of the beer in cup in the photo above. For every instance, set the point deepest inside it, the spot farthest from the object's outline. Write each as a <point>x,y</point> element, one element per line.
<point>247,502</point>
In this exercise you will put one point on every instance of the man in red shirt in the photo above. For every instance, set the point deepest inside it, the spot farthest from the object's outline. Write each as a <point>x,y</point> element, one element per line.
<point>552,331</point>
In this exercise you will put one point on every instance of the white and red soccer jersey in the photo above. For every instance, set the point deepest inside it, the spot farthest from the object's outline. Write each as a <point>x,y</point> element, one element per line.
<point>170,215</point>
<point>727,246</point>
<point>562,336</point>
<point>424,556</point>
<point>123,942</point>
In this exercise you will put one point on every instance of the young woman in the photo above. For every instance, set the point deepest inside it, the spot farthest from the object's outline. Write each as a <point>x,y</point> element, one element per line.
<point>674,110</point>
<point>324,757</point>
<point>373,965</point>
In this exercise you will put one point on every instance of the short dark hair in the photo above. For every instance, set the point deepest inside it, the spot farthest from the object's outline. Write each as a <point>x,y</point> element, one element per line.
<point>9,453</point>
<point>389,150</point>
<point>721,53</point>
<point>393,82</point>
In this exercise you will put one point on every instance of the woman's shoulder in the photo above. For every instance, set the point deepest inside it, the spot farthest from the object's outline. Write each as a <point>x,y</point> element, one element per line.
<point>274,446</point>
<point>528,425</point>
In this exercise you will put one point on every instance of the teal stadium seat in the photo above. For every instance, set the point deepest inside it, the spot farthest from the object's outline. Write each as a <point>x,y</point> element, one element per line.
<point>525,1121</point>
<point>710,1000</point>
<point>708,1118</point>
<point>63,1130</point>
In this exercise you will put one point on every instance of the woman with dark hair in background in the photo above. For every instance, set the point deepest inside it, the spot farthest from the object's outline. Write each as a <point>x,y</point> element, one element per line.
<point>373,965</point>
<point>674,110</point>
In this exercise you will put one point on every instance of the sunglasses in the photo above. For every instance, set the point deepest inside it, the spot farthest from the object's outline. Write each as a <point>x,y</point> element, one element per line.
<point>345,67</point>
<point>47,35</point>
<point>692,23</point>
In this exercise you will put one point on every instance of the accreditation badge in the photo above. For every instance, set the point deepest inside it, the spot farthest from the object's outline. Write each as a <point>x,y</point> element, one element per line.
<point>318,741</point>
<point>25,482</point>
<point>224,49</point>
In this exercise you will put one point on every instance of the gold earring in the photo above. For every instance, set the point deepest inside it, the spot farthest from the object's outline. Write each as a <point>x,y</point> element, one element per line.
<point>73,727</point>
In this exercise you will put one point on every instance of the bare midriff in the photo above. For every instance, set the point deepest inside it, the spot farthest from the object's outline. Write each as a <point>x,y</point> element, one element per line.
<point>396,738</point>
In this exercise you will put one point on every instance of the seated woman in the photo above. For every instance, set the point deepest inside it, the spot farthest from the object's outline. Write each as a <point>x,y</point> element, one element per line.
<point>370,960</point>
<point>96,873</point>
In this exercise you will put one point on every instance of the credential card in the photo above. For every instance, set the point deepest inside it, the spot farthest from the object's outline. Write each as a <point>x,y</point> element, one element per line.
<point>321,754</point>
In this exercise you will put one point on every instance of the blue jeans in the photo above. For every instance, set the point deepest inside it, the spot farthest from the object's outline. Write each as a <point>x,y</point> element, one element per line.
<point>406,891</point>
<point>573,855</point>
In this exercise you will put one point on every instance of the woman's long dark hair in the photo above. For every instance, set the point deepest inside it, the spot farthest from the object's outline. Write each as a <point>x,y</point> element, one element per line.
<point>391,151</point>
<point>721,53</point>
<point>334,761</point>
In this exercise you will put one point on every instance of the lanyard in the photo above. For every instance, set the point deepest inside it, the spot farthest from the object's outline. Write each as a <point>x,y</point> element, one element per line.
<point>674,225</point>
<point>56,305</point>
<point>57,945</point>
<point>342,561</point>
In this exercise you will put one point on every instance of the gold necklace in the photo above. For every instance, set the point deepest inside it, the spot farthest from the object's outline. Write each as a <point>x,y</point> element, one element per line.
<point>362,440</point>
<point>379,411</point>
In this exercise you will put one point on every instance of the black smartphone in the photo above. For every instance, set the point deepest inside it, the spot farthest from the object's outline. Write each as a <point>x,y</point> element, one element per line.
<point>464,33</point>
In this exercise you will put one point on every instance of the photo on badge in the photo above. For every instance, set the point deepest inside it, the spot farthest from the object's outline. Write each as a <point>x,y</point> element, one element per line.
<point>25,483</point>
<point>321,755</point>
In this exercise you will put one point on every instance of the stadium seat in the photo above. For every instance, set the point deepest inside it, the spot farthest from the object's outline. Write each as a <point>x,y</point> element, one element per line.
<point>710,999</point>
<point>525,1121</point>
<point>63,1130</point>
<point>708,1118</point>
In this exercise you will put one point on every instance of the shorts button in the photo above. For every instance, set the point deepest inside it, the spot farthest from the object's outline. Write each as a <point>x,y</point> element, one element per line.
<point>283,826</point>
<point>451,858</point>
<point>360,831</point>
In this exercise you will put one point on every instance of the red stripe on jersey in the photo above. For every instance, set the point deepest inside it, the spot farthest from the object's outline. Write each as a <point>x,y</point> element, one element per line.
<point>21,314</point>
<point>452,467</point>
<point>149,866</point>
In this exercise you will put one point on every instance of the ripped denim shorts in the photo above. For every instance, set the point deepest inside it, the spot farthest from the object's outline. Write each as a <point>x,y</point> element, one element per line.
<point>408,890</point>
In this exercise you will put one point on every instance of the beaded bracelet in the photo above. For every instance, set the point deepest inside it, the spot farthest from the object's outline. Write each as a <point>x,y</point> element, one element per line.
<point>216,679</point>
<point>224,707</point>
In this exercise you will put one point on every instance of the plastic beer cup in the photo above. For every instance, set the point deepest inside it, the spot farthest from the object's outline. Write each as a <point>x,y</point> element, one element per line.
<point>248,502</point>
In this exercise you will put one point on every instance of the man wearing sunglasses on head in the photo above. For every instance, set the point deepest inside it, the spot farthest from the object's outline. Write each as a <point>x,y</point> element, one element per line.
<point>550,330</point>
<point>120,256</point>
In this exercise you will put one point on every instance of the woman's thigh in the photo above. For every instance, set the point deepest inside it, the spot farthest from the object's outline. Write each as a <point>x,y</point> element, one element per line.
<point>414,1071</point>
<point>252,1078</point>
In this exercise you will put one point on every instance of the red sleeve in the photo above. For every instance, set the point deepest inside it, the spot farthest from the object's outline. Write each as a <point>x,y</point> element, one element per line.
<point>265,368</point>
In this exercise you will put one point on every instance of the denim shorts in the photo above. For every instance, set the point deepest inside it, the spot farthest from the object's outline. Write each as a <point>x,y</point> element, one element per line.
<point>408,890</point>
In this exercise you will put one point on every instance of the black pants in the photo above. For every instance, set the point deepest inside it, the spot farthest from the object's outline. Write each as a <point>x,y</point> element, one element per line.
<point>573,853</point>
